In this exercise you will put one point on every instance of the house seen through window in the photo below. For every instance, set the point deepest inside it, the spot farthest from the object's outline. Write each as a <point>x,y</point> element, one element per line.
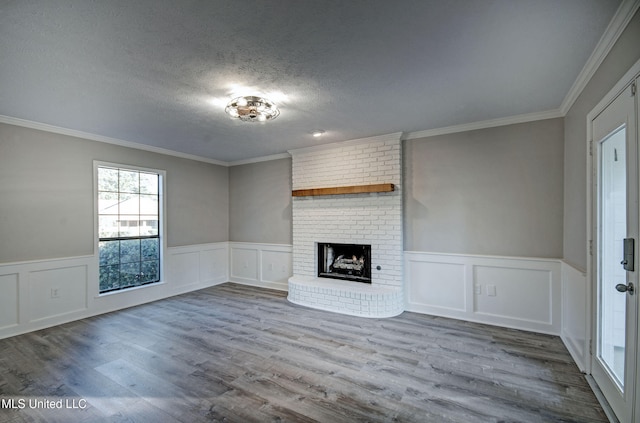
<point>129,203</point>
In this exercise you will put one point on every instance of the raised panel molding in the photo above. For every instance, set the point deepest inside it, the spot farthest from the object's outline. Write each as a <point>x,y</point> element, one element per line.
<point>276,266</point>
<point>263,265</point>
<point>9,300</point>
<point>437,285</point>
<point>214,264</point>
<point>28,301</point>
<point>514,292</point>
<point>575,318</point>
<point>57,291</point>
<point>185,267</point>
<point>202,264</point>
<point>527,292</point>
<point>244,263</point>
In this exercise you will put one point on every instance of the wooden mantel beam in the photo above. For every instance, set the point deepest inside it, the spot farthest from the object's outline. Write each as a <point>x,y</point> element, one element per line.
<point>353,189</point>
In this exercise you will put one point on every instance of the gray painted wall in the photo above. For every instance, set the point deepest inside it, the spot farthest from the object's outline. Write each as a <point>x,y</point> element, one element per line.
<point>619,60</point>
<point>46,194</point>
<point>495,191</point>
<point>260,202</point>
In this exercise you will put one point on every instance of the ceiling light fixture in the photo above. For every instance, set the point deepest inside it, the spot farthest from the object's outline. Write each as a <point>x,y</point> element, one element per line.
<point>318,133</point>
<point>252,109</point>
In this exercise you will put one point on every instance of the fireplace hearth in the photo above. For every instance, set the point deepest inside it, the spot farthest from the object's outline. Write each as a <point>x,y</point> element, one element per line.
<point>345,261</point>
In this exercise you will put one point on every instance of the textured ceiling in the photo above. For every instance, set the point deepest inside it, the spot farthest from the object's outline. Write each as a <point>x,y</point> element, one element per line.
<point>159,72</point>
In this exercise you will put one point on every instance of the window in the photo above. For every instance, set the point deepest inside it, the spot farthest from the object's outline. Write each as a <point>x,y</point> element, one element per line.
<point>129,246</point>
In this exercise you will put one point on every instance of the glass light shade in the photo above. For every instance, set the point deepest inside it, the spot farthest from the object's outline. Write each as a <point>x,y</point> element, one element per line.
<point>252,109</point>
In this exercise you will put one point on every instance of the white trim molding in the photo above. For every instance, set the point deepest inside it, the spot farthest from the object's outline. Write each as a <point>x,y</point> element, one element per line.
<point>575,328</point>
<point>513,292</point>
<point>108,140</point>
<point>262,265</point>
<point>618,23</point>
<point>260,159</point>
<point>193,267</point>
<point>492,123</point>
<point>591,204</point>
<point>42,293</point>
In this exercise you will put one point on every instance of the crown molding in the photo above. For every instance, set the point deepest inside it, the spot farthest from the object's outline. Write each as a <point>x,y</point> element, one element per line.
<point>93,137</point>
<point>509,120</point>
<point>396,136</point>
<point>616,26</point>
<point>260,159</point>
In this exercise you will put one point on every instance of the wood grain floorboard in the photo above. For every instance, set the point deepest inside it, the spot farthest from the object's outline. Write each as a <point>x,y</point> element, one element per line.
<point>234,353</point>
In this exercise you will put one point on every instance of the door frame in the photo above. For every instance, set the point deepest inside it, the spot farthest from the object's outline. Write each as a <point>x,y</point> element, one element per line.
<point>629,77</point>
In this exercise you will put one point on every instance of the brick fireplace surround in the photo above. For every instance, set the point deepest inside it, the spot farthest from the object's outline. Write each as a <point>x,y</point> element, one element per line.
<point>370,218</point>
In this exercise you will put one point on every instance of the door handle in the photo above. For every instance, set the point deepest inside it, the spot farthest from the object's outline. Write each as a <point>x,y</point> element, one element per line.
<point>625,288</point>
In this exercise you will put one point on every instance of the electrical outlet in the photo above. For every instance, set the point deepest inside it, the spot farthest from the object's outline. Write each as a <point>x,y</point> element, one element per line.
<point>478,289</point>
<point>55,292</point>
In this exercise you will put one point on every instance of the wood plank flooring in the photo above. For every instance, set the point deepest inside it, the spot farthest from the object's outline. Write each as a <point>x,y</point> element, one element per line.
<point>234,353</point>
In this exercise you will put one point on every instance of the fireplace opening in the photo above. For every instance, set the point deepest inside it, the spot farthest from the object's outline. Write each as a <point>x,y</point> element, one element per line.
<point>345,261</point>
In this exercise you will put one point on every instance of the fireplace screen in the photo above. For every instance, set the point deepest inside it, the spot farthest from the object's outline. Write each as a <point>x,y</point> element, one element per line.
<point>345,261</point>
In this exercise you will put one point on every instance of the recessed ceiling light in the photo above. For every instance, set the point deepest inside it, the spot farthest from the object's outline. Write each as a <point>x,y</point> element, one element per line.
<point>317,133</point>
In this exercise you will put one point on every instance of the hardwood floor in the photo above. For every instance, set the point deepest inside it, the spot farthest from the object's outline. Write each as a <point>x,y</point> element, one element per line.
<point>234,353</point>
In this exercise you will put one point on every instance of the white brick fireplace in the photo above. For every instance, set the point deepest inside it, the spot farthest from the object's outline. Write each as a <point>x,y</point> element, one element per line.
<point>367,218</point>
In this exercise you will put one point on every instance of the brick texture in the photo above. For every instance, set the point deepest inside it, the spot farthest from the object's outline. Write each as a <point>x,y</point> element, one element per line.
<point>374,219</point>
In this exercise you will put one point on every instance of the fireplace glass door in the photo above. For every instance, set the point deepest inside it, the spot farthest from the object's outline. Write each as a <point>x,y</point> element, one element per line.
<point>345,261</point>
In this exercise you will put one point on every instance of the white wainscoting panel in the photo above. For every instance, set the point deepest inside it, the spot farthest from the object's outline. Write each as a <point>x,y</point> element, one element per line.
<point>57,291</point>
<point>276,265</point>
<point>433,278</point>
<point>196,265</point>
<point>515,292</point>
<point>575,317</point>
<point>43,293</point>
<point>244,263</point>
<point>214,264</point>
<point>185,268</point>
<point>8,300</point>
<point>264,265</point>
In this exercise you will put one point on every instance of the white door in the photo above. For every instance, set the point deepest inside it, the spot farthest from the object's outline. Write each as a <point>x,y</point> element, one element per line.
<point>615,162</point>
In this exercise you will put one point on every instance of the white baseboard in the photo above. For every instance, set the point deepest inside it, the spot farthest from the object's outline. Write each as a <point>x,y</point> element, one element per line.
<point>261,265</point>
<point>513,292</point>
<point>28,302</point>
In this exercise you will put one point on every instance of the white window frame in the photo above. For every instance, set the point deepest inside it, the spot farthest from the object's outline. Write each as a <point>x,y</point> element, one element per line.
<point>162,227</point>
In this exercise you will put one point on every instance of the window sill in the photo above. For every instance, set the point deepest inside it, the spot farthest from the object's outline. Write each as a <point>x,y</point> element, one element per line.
<point>135,288</point>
